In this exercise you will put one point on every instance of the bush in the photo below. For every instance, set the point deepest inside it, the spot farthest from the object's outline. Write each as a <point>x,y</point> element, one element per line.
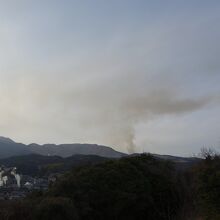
<point>207,186</point>
<point>130,188</point>
<point>55,208</point>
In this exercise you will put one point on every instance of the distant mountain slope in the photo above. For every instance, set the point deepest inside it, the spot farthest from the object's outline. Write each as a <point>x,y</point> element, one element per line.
<point>67,150</point>
<point>9,148</point>
<point>181,162</point>
<point>39,165</point>
<point>177,159</point>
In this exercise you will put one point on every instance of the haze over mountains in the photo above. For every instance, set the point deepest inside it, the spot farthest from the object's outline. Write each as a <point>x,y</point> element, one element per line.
<point>10,148</point>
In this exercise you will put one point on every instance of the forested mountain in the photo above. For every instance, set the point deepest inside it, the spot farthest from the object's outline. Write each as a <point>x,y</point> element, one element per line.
<point>131,188</point>
<point>139,187</point>
<point>39,165</point>
<point>66,150</point>
<point>10,148</point>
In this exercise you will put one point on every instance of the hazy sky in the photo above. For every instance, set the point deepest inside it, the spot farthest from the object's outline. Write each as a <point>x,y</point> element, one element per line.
<point>135,75</point>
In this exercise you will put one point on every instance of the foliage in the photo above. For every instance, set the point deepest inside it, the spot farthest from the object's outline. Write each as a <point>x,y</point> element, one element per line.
<point>55,208</point>
<point>207,186</point>
<point>132,188</point>
<point>39,165</point>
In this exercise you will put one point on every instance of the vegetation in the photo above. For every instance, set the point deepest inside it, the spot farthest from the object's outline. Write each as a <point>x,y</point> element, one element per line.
<point>207,186</point>
<point>39,165</point>
<point>132,188</point>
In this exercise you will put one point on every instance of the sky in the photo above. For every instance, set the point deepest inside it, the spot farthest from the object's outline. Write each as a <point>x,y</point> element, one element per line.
<point>140,76</point>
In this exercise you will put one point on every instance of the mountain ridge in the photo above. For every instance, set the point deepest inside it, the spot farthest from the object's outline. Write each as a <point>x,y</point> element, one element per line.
<point>66,150</point>
<point>9,148</point>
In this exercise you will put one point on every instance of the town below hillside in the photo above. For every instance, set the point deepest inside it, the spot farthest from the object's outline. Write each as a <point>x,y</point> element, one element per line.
<point>21,175</point>
<point>124,187</point>
<point>133,187</point>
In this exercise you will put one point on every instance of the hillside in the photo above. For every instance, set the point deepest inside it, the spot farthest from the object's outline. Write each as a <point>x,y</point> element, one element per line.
<point>66,150</point>
<point>9,148</point>
<point>39,165</point>
<point>138,187</point>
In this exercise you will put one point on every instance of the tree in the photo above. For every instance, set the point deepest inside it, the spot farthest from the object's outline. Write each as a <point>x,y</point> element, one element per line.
<point>56,208</point>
